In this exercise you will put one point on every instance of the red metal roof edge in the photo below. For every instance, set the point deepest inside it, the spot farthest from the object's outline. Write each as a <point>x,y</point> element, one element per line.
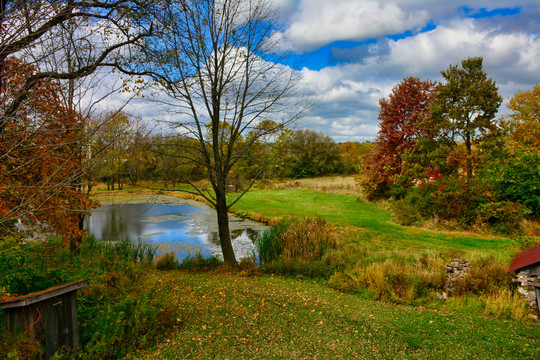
<point>32,298</point>
<point>525,258</point>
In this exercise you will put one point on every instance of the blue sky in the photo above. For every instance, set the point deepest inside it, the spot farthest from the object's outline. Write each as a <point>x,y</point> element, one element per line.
<point>355,51</point>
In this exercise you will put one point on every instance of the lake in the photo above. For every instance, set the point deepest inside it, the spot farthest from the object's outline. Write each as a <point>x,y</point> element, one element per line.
<point>185,227</point>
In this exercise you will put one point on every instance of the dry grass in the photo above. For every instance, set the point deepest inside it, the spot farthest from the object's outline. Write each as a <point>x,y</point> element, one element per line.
<point>340,185</point>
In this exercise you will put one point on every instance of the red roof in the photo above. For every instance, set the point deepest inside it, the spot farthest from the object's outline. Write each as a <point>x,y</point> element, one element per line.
<point>525,258</point>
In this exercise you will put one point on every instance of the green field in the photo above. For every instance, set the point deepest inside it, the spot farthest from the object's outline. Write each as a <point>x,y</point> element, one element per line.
<point>248,315</point>
<point>371,223</point>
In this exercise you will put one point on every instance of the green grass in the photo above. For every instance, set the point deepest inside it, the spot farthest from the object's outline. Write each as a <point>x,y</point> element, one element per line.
<point>371,223</point>
<point>227,316</point>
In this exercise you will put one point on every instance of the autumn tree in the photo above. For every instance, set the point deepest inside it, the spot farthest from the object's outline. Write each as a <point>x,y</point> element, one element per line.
<point>465,107</point>
<point>513,169</point>
<point>350,155</point>
<point>524,120</point>
<point>114,25</point>
<point>109,147</point>
<point>402,118</point>
<point>218,62</point>
<point>39,158</point>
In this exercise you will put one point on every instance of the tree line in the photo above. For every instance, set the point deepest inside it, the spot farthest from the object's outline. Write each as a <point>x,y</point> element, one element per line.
<point>127,151</point>
<point>441,152</point>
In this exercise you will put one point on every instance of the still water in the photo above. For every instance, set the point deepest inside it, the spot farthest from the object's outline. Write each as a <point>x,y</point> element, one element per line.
<point>184,227</point>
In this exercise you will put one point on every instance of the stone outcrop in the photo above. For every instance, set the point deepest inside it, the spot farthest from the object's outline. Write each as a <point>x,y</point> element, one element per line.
<point>456,271</point>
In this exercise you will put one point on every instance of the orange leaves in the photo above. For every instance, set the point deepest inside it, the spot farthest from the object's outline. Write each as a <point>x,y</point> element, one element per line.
<point>40,157</point>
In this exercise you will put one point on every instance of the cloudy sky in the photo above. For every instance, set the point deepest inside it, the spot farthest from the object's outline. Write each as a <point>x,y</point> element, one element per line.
<point>354,51</point>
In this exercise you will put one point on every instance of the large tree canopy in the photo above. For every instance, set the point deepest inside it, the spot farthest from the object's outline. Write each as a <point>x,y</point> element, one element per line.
<point>40,159</point>
<point>402,123</point>
<point>466,106</point>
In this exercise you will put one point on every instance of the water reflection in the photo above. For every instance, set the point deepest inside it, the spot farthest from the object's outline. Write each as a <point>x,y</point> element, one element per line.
<point>183,227</point>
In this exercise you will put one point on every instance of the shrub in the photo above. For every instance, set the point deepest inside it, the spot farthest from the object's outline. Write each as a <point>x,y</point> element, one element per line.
<point>344,282</point>
<point>269,242</point>
<point>504,217</point>
<point>119,311</point>
<point>199,262</point>
<point>515,178</point>
<point>296,247</point>
<point>405,213</point>
<point>308,239</point>
<point>19,346</point>
<point>486,278</point>
<point>395,279</point>
<point>166,261</point>
<point>116,318</point>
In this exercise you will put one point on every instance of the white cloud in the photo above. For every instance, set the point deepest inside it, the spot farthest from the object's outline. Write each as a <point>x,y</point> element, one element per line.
<point>507,56</point>
<point>349,93</point>
<point>320,22</point>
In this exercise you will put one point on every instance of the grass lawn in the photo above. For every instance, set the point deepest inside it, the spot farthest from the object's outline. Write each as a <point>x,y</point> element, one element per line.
<point>228,316</point>
<point>370,223</point>
<point>234,316</point>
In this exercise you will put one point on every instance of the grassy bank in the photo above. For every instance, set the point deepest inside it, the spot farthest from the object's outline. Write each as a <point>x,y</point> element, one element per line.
<point>366,223</point>
<point>228,316</point>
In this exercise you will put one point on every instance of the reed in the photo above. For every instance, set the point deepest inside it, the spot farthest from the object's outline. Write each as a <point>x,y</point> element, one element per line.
<point>127,250</point>
<point>295,239</point>
<point>269,243</point>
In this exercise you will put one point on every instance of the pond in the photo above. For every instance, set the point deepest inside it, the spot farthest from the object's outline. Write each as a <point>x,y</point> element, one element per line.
<point>185,227</point>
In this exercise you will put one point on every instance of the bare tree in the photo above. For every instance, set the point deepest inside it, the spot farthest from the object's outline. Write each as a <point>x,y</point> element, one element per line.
<point>30,30</point>
<point>220,64</point>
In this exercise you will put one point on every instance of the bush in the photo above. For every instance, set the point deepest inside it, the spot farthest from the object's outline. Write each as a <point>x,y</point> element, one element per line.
<point>308,239</point>
<point>199,262</point>
<point>515,178</point>
<point>296,247</point>
<point>19,346</point>
<point>405,213</point>
<point>269,242</point>
<point>395,279</point>
<point>461,200</point>
<point>117,318</point>
<point>166,262</point>
<point>486,278</point>
<point>118,312</point>
<point>504,217</point>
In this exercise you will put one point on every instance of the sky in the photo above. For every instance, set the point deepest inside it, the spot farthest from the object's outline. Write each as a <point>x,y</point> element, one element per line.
<point>353,52</point>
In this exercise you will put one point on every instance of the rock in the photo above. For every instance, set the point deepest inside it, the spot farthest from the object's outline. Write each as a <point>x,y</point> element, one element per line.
<point>456,271</point>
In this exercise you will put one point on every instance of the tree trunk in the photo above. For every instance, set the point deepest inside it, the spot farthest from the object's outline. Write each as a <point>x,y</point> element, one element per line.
<point>223,230</point>
<point>469,154</point>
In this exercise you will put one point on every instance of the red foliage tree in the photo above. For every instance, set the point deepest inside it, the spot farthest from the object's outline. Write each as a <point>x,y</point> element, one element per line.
<point>40,158</point>
<point>401,117</point>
